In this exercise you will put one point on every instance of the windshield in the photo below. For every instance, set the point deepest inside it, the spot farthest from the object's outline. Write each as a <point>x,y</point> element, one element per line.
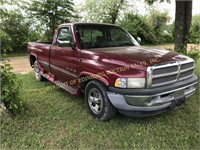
<point>100,36</point>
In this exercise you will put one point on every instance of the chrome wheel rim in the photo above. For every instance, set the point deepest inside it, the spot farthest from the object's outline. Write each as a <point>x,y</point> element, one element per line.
<point>95,101</point>
<point>37,72</point>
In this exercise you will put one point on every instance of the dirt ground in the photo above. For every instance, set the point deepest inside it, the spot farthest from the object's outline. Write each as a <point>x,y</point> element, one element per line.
<point>171,46</point>
<point>21,64</point>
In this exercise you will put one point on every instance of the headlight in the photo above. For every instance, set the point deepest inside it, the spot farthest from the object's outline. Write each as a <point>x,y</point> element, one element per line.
<point>121,82</point>
<point>130,82</point>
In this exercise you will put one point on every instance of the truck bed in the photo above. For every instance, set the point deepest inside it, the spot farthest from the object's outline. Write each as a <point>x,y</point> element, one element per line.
<point>38,47</point>
<point>39,43</point>
<point>40,50</point>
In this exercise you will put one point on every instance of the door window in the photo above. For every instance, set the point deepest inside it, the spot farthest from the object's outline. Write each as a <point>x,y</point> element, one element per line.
<point>64,38</point>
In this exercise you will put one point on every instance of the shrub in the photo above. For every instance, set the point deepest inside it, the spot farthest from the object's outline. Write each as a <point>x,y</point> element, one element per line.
<point>10,89</point>
<point>195,30</point>
<point>5,42</point>
<point>138,26</point>
<point>150,27</point>
<point>168,36</point>
<point>195,54</point>
<point>16,30</point>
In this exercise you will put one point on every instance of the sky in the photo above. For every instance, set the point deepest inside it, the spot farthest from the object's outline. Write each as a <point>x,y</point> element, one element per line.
<point>170,7</point>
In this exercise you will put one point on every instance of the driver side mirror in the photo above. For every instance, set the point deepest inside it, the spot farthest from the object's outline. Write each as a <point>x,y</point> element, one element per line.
<point>64,42</point>
<point>138,39</point>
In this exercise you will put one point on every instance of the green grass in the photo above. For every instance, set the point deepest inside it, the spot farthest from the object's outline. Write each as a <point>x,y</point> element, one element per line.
<point>58,120</point>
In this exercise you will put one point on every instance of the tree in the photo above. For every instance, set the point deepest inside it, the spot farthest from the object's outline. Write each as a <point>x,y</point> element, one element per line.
<point>11,5</point>
<point>52,13</point>
<point>159,21</point>
<point>183,20</point>
<point>150,2</point>
<point>16,28</point>
<point>150,27</point>
<point>114,10</point>
<point>14,32</point>
<point>107,12</point>
<point>142,27</point>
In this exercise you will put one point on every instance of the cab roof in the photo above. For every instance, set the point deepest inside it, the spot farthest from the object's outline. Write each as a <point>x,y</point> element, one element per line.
<point>82,23</point>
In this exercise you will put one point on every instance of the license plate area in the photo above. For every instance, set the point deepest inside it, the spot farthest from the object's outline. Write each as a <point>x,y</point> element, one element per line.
<point>177,103</point>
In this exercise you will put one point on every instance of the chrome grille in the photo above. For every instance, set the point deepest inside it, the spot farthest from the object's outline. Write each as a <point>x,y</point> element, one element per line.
<point>187,65</point>
<point>163,80</point>
<point>185,74</point>
<point>171,72</point>
<point>165,70</point>
<point>187,70</point>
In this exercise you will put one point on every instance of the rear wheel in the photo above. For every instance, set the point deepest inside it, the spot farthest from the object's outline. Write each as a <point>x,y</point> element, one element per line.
<point>98,102</point>
<point>38,76</point>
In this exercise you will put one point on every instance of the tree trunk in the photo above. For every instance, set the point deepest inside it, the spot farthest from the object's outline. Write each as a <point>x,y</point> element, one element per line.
<point>114,17</point>
<point>183,20</point>
<point>115,11</point>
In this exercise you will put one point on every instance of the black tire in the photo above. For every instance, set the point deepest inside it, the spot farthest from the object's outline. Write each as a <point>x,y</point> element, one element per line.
<point>98,102</point>
<point>38,76</point>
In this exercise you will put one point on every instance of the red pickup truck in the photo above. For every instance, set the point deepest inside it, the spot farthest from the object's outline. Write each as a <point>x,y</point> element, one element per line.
<point>113,71</point>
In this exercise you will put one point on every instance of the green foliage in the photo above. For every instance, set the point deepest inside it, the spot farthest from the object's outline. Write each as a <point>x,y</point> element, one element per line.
<point>5,42</point>
<point>150,2</point>
<point>195,54</point>
<point>52,13</point>
<point>10,89</point>
<point>159,23</point>
<point>16,28</point>
<point>150,28</point>
<point>168,36</point>
<point>15,32</point>
<point>195,30</point>
<point>16,6</point>
<point>139,26</point>
<point>107,12</point>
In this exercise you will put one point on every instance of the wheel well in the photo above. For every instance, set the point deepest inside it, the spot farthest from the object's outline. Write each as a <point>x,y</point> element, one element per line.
<point>83,84</point>
<point>32,60</point>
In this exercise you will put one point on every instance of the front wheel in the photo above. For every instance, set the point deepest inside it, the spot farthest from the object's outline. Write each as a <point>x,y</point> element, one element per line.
<point>98,102</point>
<point>38,76</point>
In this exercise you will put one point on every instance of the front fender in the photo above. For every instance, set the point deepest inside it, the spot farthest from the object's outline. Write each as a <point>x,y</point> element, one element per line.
<point>94,76</point>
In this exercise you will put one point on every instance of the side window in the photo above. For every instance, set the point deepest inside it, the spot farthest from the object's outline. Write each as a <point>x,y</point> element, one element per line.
<point>64,37</point>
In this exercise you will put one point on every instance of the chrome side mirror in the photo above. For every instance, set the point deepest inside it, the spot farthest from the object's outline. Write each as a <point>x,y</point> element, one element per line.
<point>138,39</point>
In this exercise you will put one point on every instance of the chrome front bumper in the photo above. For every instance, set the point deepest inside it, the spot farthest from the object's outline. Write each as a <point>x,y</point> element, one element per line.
<point>151,102</point>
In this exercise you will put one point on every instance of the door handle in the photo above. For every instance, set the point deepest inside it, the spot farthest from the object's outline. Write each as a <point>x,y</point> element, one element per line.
<point>53,52</point>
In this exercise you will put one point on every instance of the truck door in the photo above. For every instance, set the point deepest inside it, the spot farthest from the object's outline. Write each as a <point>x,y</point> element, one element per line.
<point>63,59</point>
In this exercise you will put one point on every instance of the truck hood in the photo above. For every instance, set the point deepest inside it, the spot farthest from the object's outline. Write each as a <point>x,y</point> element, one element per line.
<point>136,57</point>
<point>136,54</point>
